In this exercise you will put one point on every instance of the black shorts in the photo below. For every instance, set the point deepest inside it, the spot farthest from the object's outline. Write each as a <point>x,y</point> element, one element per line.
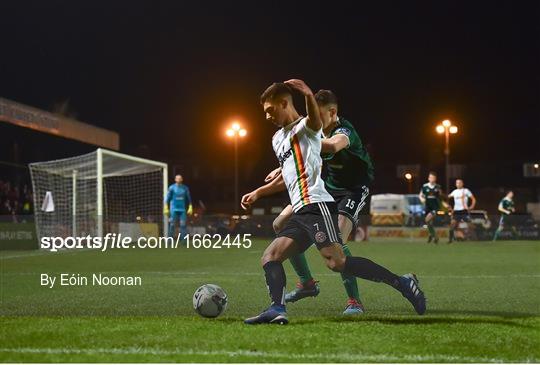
<point>433,212</point>
<point>461,216</point>
<point>314,223</point>
<point>352,203</point>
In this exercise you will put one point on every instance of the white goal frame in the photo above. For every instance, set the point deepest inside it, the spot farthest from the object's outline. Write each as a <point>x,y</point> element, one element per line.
<point>92,166</point>
<point>99,181</point>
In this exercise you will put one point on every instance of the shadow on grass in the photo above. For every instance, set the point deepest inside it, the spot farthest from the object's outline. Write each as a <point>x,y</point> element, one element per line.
<point>435,317</point>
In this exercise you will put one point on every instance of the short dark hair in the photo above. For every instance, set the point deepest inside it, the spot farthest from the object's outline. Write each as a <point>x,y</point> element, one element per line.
<point>275,90</point>
<point>433,173</point>
<point>325,97</point>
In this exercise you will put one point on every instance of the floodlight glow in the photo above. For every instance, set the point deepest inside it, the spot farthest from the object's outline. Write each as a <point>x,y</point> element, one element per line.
<point>446,123</point>
<point>536,165</point>
<point>453,129</point>
<point>235,126</point>
<point>242,132</point>
<point>440,129</point>
<point>230,133</point>
<point>408,176</point>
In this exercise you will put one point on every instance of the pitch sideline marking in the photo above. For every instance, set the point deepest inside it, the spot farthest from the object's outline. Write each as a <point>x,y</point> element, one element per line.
<point>257,354</point>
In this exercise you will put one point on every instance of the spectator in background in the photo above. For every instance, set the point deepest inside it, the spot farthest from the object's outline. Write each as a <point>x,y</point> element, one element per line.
<point>14,201</point>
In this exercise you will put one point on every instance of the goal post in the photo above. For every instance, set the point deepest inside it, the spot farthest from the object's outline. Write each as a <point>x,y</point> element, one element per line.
<point>97,193</point>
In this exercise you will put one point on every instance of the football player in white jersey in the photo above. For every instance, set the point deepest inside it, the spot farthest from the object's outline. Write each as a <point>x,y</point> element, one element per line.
<point>297,145</point>
<point>460,213</point>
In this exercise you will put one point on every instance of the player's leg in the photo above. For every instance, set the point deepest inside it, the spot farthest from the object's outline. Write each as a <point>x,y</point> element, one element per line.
<point>453,224</point>
<point>298,261</point>
<point>354,303</point>
<point>329,245</point>
<point>429,223</point>
<point>173,214</point>
<point>366,269</point>
<point>272,262</point>
<point>500,228</point>
<point>307,286</point>
<point>183,223</point>
<point>350,206</point>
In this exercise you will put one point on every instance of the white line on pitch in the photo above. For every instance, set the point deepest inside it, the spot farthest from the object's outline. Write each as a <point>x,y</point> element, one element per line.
<point>348,357</point>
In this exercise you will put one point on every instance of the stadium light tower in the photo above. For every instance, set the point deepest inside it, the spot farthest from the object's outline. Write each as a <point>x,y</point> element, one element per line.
<point>447,129</point>
<point>235,132</point>
<point>409,177</point>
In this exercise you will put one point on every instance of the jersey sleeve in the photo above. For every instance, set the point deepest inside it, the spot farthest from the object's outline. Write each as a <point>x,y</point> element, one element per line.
<point>451,195</point>
<point>344,131</point>
<point>302,126</point>
<point>468,193</point>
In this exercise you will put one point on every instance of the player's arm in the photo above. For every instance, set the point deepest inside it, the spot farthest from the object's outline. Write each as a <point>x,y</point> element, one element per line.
<point>473,202</point>
<point>272,174</point>
<point>450,196</point>
<point>422,197</point>
<point>188,200</point>
<point>168,197</point>
<point>335,143</point>
<point>275,186</point>
<point>502,210</point>
<point>167,201</point>
<point>314,121</point>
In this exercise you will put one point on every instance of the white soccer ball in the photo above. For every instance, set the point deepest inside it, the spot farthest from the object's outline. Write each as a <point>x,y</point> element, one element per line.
<point>210,300</point>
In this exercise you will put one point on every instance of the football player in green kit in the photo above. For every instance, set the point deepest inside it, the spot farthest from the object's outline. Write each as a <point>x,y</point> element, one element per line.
<point>430,196</point>
<point>349,174</point>
<point>506,207</point>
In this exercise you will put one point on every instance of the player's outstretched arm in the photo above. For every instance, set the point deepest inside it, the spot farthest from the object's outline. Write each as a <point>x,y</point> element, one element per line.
<point>275,186</point>
<point>335,143</point>
<point>314,121</point>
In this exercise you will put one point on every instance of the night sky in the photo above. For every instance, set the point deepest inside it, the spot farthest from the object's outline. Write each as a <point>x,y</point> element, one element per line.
<point>169,75</point>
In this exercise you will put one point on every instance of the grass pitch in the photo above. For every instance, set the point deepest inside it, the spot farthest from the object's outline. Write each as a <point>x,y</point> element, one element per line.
<point>483,306</point>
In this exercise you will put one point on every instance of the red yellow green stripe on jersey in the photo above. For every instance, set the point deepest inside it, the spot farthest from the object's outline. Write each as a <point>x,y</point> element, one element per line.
<point>301,176</point>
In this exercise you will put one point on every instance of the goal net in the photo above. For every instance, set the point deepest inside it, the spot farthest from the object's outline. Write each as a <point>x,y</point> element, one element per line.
<point>98,193</point>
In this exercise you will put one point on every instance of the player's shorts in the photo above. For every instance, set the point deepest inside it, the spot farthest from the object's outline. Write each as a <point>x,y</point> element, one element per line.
<point>314,223</point>
<point>504,220</point>
<point>433,212</point>
<point>461,216</point>
<point>352,203</point>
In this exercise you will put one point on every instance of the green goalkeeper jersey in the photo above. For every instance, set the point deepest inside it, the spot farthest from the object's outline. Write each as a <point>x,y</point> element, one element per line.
<point>432,194</point>
<point>352,167</point>
<point>507,204</point>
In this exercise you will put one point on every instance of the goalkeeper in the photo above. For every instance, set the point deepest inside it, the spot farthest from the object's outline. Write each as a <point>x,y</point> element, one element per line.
<point>177,199</point>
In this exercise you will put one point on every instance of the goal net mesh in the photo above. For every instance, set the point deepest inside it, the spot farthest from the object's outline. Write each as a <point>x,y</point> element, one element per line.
<point>66,195</point>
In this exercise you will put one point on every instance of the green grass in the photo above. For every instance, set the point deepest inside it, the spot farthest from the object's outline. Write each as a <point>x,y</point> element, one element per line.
<point>483,306</point>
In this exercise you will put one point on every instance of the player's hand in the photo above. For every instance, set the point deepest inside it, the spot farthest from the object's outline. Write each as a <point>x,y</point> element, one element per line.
<point>190,210</point>
<point>166,209</point>
<point>299,85</point>
<point>249,199</point>
<point>272,175</point>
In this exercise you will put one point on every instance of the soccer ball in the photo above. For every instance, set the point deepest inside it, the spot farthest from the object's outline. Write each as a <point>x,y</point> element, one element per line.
<point>210,300</point>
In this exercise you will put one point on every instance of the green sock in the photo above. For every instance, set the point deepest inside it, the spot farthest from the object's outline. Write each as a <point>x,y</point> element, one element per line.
<point>431,230</point>
<point>349,282</point>
<point>300,265</point>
